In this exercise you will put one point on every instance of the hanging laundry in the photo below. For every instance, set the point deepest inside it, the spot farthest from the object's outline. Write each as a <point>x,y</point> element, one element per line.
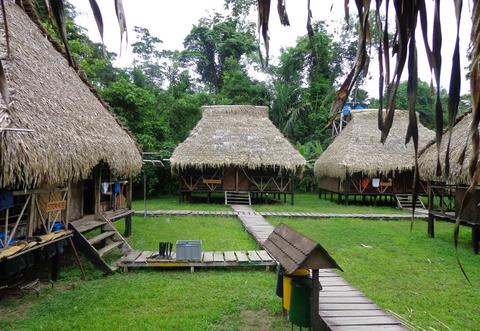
<point>6,199</point>
<point>116,188</point>
<point>376,182</point>
<point>105,188</point>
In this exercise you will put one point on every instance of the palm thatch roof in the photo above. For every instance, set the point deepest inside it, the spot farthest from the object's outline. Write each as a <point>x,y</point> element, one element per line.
<point>73,129</point>
<point>236,136</point>
<point>358,148</point>
<point>458,174</point>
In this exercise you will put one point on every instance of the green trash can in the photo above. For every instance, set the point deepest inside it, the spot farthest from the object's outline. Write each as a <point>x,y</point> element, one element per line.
<point>300,302</point>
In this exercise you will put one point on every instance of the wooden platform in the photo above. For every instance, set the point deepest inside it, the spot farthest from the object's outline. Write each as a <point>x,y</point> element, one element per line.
<point>343,307</point>
<point>147,259</point>
<point>114,215</point>
<point>419,214</point>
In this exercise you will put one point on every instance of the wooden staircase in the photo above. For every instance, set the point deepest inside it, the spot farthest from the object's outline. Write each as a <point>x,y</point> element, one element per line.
<point>96,248</point>
<point>237,198</point>
<point>404,201</point>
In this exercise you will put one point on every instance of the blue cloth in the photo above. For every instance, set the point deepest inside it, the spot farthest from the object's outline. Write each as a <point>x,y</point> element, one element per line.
<point>6,199</point>
<point>116,188</point>
<point>346,110</point>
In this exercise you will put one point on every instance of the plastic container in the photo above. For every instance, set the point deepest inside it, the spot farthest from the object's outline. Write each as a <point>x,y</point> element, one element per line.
<point>287,285</point>
<point>300,302</point>
<point>188,250</point>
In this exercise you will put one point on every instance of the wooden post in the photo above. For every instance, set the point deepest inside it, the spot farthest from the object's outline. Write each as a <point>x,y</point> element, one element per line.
<point>145,195</point>
<point>77,258</point>
<point>67,209</point>
<point>128,219</point>
<point>475,237</point>
<point>6,229</point>
<point>97,181</point>
<point>314,303</point>
<point>431,225</point>
<point>31,215</point>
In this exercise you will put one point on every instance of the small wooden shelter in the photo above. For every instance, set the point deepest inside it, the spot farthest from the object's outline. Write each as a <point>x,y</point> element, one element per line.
<point>65,160</point>
<point>357,163</point>
<point>446,193</point>
<point>236,149</point>
<point>294,251</point>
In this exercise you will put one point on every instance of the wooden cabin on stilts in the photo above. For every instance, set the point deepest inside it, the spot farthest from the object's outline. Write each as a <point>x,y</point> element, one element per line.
<point>446,192</point>
<point>237,151</point>
<point>358,165</point>
<point>66,162</point>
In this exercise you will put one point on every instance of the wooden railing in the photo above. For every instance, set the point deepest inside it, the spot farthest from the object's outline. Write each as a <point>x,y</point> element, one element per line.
<point>28,215</point>
<point>441,198</point>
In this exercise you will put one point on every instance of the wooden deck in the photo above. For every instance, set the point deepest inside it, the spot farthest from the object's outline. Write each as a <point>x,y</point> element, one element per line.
<point>277,214</point>
<point>148,259</point>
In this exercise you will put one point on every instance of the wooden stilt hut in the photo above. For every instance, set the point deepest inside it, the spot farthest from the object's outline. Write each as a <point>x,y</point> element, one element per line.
<point>236,150</point>
<point>357,164</point>
<point>65,159</point>
<point>445,193</point>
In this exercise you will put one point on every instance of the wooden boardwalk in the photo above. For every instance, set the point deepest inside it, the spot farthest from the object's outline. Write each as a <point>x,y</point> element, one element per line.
<point>148,259</point>
<point>277,214</point>
<point>253,222</point>
<point>342,307</point>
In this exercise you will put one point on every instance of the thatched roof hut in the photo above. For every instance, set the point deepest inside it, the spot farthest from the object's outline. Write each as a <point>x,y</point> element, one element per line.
<point>358,148</point>
<point>428,156</point>
<point>73,129</point>
<point>241,136</point>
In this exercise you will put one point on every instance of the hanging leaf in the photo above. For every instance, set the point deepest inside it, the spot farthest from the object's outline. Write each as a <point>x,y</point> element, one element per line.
<point>121,22</point>
<point>263,18</point>
<point>58,12</point>
<point>282,13</point>
<point>98,19</point>
<point>454,88</point>
<point>437,66</point>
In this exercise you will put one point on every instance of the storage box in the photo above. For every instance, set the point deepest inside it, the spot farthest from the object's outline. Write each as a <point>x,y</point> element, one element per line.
<point>189,250</point>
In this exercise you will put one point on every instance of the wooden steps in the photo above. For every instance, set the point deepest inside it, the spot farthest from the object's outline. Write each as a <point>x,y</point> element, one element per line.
<point>114,215</point>
<point>404,201</point>
<point>97,247</point>
<point>237,198</point>
<point>100,237</point>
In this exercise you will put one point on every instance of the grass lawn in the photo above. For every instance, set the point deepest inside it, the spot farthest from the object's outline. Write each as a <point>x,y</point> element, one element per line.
<point>216,233</point>
<point>310,202</point>
<point>170,202</point>
<point>406,272</point>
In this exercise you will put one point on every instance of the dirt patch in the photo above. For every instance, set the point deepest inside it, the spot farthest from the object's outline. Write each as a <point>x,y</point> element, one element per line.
<point>255,320</point>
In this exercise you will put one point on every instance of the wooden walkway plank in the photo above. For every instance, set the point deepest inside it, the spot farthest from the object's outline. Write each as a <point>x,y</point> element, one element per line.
<point>264,256</point>
<point>207,257</point>
<point>361,320</point>
<point>352,313</point>
<point>253,256</point>
<point>230,256</point>
<point>218,257</point>
<point>241,256</point>
<point>142,258</point>
<point>368,328</point>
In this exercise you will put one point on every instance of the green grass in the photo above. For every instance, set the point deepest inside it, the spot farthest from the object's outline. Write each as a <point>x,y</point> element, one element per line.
<point>175,300</point>
<point>216,233</point>
<point>310,202</point>
<point>406,272</point>
<point>170,202</point>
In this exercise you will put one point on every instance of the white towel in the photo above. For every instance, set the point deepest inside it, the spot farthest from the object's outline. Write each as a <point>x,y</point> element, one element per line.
<point>105,187</point>
<point>375,182</point>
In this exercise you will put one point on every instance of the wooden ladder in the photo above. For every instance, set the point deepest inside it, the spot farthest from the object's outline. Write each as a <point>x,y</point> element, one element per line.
<point>96,247</point>
<point>404,201</point>
<point>237,198</point>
